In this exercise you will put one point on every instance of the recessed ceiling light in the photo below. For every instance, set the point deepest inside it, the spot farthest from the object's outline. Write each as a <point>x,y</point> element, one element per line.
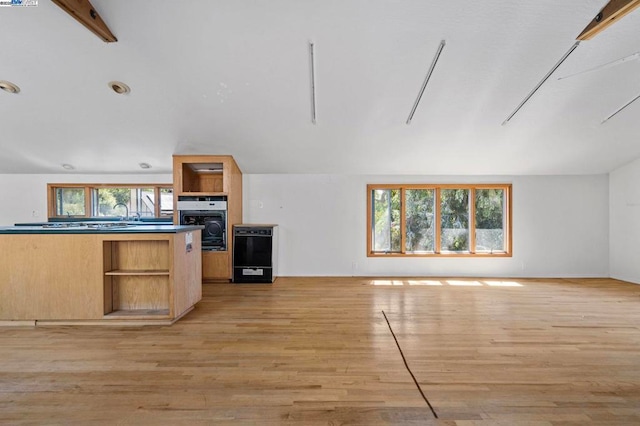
<point>68,167</point>
<point>9,87</point>
<point>119,87</point>
<point>145,165</point>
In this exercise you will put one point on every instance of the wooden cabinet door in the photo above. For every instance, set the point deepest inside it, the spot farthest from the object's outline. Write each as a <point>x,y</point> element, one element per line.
<point>216,265</point>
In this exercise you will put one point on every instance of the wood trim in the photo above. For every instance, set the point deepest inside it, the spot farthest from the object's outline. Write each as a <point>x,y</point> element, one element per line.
<point>84,12</point>
<point>51,201</point>
<point>610,13</point>
<point>110,185</point>
<point>369,221</point>
<point>446,254</point>
<point>88,204</point>
<point>509,227</point>
<point>438,225</point>
<point>156,206</point>
<point>88,187</point>
<point>472,221</point>
<point>403,221</point>
<point>438,185</point>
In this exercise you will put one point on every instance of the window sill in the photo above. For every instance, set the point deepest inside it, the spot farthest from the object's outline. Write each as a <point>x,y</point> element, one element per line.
<point>450,254</point>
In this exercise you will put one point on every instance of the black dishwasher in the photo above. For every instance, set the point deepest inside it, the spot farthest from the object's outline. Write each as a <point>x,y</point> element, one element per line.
<point>254,253</point>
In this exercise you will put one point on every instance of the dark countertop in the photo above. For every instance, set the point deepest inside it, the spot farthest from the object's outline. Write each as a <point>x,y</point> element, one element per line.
<point>85,229</point>
<point>142,221</point>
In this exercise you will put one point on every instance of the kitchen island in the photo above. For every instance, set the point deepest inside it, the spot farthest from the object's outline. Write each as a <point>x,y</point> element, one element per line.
<point>99,273</point>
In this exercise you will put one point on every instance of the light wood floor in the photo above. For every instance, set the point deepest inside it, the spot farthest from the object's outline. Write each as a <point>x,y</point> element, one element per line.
<point>319,351</point>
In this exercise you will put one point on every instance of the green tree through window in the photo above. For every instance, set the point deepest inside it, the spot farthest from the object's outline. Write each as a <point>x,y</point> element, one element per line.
<point>70,201</point>
<point>434,220</point>
<point>419,219</point>
<point>386,228</point>
<point>489,220</point>
<point>454,205</point>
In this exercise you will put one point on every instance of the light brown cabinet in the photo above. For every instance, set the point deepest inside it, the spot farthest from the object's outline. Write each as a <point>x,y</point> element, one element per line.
<point>110,277</point>
<point>211,176</point>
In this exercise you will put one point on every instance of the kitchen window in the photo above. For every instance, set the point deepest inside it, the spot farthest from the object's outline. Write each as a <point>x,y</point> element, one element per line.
<point>68,201</point>
<point>439,220</point>
<point>110,200</point>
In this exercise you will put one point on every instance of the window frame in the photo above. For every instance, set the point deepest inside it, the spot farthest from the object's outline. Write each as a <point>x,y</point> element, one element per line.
<point>88,197</point>
<point>508,213</point>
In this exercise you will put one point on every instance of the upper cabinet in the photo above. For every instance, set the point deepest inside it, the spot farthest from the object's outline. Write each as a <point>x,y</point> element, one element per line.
<point>206,174</point>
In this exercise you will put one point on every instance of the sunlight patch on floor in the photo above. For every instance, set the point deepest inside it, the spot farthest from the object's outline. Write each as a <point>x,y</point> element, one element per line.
<point>424,282</point>
<point>502,284</point>
<point>387,282</point>
<point>465,283</point>
<point>455,283</point>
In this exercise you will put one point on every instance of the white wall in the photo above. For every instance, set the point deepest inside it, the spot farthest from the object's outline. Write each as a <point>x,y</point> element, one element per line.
<point>560,223</point>
<point>24,197</point>
<point>560,226</point>
<point>624,227</point>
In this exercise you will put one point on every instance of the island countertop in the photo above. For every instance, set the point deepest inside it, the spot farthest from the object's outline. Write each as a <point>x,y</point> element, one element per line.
<point>98,228</point>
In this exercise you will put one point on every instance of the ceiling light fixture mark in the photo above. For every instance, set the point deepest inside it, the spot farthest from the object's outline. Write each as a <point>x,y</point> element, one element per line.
<point>312,65</point>
<point>426,80</point>
<point>546,77</point>
<point>9,87</point>
<point>223,92</point>
<point>629,58</point>
<point>119,87</point>
<point>620,109</point>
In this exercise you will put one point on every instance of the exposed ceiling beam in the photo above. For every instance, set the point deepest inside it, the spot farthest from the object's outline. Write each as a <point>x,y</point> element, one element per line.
<point>609,14</point>
<point>83,12</point>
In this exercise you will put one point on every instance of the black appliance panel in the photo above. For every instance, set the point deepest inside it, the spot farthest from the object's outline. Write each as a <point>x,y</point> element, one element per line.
<point>214,235</point>
<point>252,250</point>
<point>252,275</point>
<point>253,255</point>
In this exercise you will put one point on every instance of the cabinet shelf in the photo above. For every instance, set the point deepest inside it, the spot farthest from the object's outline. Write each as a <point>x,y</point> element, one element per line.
<point>140,272</point>
<point>203,194</point>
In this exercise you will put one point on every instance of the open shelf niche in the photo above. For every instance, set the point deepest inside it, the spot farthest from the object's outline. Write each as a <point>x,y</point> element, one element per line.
<point>203,177</point>
<point>137,279</point>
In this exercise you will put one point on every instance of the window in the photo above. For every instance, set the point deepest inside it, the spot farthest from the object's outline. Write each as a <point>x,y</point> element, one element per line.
<point>106,200</point>
<point>386,231</point>
<point>439,220</point>
<point>69,201</point>
<point>420,221</point>
<point>490,220</point>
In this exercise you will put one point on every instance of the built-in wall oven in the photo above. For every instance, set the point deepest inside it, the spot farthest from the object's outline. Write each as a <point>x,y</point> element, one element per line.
<point>210,212</point>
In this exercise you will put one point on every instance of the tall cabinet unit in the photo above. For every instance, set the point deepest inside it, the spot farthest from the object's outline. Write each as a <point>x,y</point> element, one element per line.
<point>209,177</point>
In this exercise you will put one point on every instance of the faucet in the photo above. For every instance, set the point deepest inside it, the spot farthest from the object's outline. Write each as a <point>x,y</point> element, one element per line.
<point>126,209</point>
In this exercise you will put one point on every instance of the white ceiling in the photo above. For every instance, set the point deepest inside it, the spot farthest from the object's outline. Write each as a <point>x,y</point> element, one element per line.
<point>233,77</point>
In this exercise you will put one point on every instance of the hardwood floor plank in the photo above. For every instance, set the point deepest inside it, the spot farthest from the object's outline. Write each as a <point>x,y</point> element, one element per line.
<point>318,351</point>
